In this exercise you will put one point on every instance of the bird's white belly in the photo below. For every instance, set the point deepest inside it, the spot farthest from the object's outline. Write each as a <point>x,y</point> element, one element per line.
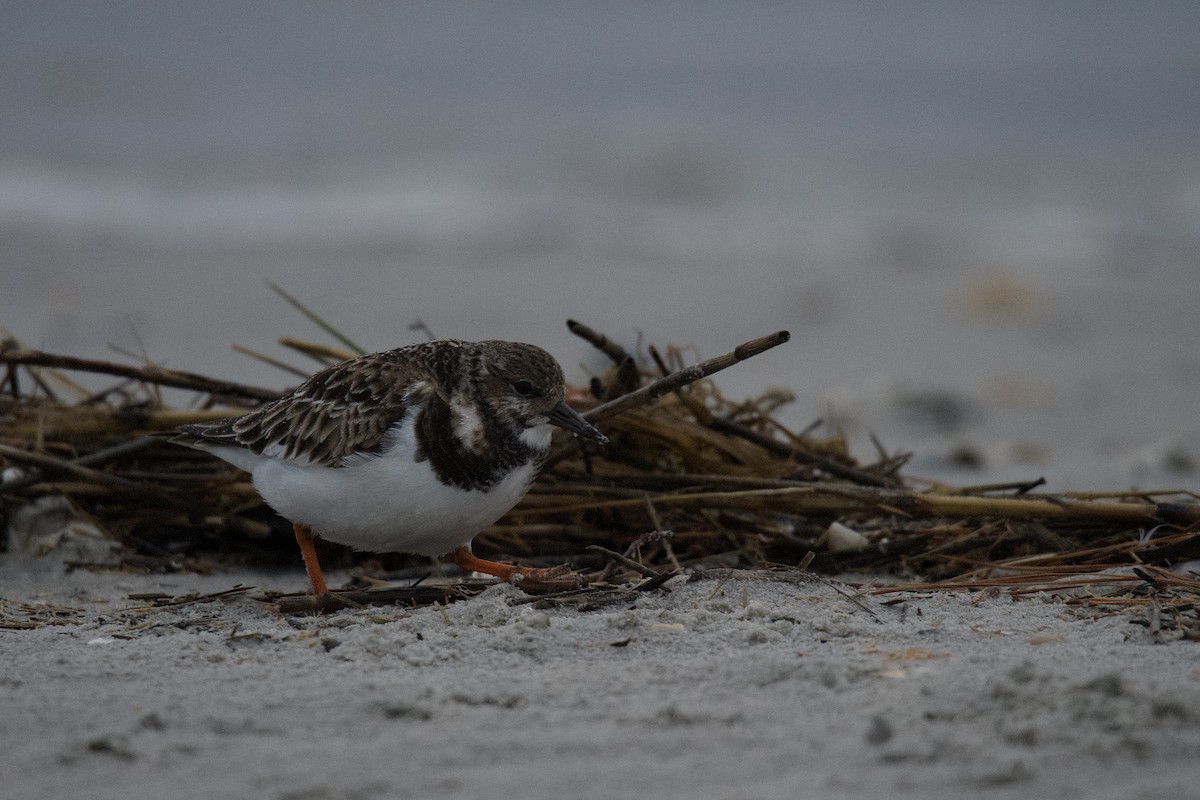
<point>386,503</point>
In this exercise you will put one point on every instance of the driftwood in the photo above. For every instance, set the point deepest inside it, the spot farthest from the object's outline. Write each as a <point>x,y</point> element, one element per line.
<point>402,595</point>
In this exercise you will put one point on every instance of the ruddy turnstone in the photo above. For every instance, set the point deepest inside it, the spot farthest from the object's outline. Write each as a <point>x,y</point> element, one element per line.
<point>413,450</point>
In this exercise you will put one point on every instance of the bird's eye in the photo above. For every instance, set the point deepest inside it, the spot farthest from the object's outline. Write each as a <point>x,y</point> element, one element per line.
<point>523,388</point>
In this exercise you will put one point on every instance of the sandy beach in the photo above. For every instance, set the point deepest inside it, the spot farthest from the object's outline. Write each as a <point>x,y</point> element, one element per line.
<point>735,688</point>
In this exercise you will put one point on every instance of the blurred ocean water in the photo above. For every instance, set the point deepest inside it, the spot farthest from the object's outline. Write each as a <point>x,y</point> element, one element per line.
<point>988,207</point>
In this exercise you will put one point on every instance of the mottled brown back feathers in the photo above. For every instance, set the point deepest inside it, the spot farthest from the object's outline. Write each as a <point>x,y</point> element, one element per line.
<point>349,408</point>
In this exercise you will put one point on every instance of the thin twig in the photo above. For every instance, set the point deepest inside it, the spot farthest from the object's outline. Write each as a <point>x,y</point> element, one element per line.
<point>321,323</point>
<point>641,569</point>
<point>274,362</point>
<point>161,601</point>
<point>418,325</point>
<point>33,474</point>
<point>148,374</point>
<point>403,595</point>
<point>830,498</point>
<point>598,340</point>
<point>1017,487</point>
<point>855,600</point>
<point>321,353</point>
<point>55,464</point>
<point>656,581</point>
<point>683,377</point>
<point>822,463</point>
<point>649,537</point>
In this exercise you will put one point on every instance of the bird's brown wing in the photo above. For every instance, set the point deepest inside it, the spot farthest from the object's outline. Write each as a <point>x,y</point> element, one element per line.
<point>345,409</point>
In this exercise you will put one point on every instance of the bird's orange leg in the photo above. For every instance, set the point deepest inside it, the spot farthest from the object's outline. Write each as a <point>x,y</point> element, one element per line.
<point>304,538</point>
<point>464,558</point>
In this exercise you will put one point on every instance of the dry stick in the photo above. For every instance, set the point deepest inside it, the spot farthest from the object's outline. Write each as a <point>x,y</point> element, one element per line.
<point>96,398</point>
<point>149,374</point>
<point>1142,495</point>
<point>76,421</point>
<point>40,381</point>
<point>658,359</point>
<point>847,499</point>
<point>162,601</point>
<point>56,464</point>
<point>799,456</point>
<point>321,323</point>
<point>683,377</point>
<point>664,536</point>
<point>640,485</point>
<point>851,598</point>
<point>1019,487</point>
<point>415,595</point>
<point>656,581</point>
<point>676,380</point>
<point>330,601</point>
<point>321,353</point>
<point>625,560</point>
<point>90,460</point>
<point>692,404</point>
<point>10,380</point>
<point>153,389</point>
<point>1058,580</point>
<point>598,340</point>
<point>625,378</point>
<point>887,464</point>
<point>418,325</point>
<point>649,537</point>
<point>11,344</point>
<point>274,362</point>
<point>610,567</point>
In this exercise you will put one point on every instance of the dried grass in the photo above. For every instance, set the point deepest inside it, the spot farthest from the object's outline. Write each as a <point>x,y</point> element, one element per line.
<point>734,486</point>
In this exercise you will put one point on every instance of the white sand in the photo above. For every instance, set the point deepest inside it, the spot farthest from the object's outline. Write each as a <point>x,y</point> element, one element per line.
<point>750,689</point>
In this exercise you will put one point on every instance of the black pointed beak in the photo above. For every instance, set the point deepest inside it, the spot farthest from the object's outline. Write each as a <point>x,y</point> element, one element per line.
<point>568,419</point>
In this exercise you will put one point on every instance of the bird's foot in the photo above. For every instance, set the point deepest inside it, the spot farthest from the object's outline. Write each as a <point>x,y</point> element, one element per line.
<point>535,580</point>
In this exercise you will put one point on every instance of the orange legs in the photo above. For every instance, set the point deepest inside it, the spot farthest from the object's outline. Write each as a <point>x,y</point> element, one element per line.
<point>462,557</point>
<point>311,565</point>
<point>470,562</point>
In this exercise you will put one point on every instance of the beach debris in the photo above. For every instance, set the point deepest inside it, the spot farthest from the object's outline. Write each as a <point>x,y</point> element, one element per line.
<point>840,539</point>
<point>710,482</point>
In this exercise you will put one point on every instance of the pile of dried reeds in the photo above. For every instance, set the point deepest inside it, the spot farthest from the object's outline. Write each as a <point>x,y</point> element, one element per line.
<point>690,479</point>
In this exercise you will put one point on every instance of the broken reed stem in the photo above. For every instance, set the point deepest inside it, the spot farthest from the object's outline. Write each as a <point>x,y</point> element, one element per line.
<point>625,560</point>
<point>321,353</point>
<point>312,315</point>
<point>828,465</point>
<point>147,374</point>
<point>54,464</point>
<point>1017,487</point>
<point>34,474</point>
<point>598,340</point>
<point>164,601</point>
<point>76,422</point>
<point>421,595</point>
<point>1056,579</point>
<point>274,362</point>
<point>847,499</point>
<point>683,377</point>
<point>656,581</point>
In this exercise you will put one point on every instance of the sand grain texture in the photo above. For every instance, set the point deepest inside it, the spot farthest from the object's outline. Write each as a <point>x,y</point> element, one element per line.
<point>744,689</point>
